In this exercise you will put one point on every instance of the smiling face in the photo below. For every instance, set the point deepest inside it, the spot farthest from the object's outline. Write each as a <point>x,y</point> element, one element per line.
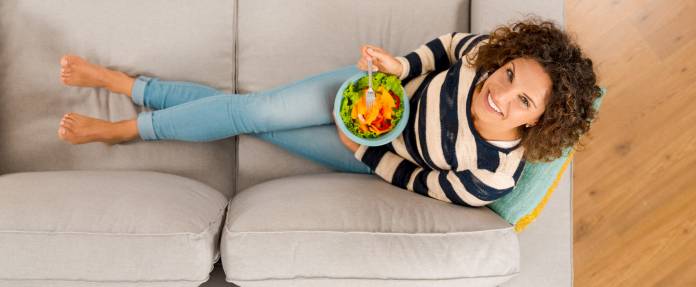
<point>513,96</point>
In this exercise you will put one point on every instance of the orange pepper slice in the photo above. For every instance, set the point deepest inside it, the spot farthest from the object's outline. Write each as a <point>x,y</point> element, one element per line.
<point>382,109</point>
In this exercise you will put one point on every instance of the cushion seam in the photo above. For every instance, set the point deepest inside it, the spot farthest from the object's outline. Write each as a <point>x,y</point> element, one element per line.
<point>372,278</point>
<point>375,233</point>
<point>106,281</point>
<point>188,234</point>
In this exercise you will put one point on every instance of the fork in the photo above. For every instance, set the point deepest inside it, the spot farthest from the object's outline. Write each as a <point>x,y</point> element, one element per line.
<point>370,95</point>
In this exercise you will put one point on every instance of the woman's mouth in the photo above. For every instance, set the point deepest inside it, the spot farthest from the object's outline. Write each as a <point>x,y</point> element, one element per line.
<point>491,104</point>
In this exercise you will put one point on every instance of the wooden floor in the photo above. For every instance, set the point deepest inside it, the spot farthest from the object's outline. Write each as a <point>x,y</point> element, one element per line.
<point>635,181</point>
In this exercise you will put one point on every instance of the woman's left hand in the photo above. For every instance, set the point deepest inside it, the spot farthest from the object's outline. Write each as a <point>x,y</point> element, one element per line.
<point>351,145</point>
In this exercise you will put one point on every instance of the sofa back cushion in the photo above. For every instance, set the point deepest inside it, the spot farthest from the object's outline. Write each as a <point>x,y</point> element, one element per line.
<point>170,39</point>
<point>278,45</point>
<point>486,15</point>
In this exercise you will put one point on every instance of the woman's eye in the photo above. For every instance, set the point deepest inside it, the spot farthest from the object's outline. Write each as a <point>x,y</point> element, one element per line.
<point>510,75</point>
<point>524,100</point>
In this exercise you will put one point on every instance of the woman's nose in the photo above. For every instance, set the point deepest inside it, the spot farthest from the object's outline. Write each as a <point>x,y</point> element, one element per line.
<point>505,96</point>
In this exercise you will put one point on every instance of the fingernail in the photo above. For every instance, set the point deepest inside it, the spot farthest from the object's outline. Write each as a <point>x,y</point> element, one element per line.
<point>369,50</point>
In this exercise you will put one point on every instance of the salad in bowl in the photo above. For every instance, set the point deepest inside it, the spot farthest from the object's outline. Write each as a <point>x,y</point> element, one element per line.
<point>383,121</point>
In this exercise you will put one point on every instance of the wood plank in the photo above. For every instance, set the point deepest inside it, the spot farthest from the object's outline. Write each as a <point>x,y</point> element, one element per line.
<point>635,179</point>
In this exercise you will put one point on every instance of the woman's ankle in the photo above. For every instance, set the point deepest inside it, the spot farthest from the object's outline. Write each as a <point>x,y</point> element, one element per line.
<point>126,131</point>
<point>119,82</point>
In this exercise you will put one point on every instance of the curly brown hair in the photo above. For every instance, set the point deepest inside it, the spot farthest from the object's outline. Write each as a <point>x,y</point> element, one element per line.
<point>569,110</point>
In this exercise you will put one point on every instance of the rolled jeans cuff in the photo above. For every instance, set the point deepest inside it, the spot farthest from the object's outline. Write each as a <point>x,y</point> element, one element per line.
<point>145,127</point>
<point>138,91</point>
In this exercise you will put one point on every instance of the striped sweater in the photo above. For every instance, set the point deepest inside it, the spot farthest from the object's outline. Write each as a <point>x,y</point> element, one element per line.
<point>440,154</point>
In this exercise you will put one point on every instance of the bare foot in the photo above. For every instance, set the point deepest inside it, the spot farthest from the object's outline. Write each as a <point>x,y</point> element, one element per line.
<point>79,129</point>
<point>76,71</point>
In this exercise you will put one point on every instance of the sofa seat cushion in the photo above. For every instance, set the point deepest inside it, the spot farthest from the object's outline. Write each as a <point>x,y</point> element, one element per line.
<point>358,231</point>
<point>108,228</point>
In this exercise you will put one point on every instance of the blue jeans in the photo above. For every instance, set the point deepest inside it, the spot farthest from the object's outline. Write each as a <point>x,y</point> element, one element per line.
<point>297,117</point>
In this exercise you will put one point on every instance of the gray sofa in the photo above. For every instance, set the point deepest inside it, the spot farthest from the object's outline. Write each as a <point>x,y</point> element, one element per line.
<point>173,213</point>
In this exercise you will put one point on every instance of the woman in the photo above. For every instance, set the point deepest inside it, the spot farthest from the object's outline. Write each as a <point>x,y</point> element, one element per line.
<point>481,106</point>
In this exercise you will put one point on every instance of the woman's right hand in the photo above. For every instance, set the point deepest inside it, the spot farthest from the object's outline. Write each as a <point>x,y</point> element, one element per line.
<point>381,60</point>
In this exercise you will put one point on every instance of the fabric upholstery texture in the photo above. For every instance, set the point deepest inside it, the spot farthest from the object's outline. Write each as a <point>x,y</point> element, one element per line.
<point>174,40</point>
<point>108,227</point>
<point>488,14</point>
<point>359,227</point>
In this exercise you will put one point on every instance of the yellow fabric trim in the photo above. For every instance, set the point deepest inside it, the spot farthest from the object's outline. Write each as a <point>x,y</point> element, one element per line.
<point>527,219</point>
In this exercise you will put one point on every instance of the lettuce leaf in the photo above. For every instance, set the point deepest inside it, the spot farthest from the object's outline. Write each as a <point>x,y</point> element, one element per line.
<point>351,96</point>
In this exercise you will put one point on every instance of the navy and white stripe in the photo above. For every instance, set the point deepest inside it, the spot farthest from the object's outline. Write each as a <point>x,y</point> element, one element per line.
<point>440,154</point>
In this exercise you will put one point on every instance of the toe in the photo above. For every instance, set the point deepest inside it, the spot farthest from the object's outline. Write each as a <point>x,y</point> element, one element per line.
<point>73,59</point>
<point>66,134</point>
<point>65,61</point>
<point>74,118</point>
<point>63,133</point>
<point>66,121</point>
